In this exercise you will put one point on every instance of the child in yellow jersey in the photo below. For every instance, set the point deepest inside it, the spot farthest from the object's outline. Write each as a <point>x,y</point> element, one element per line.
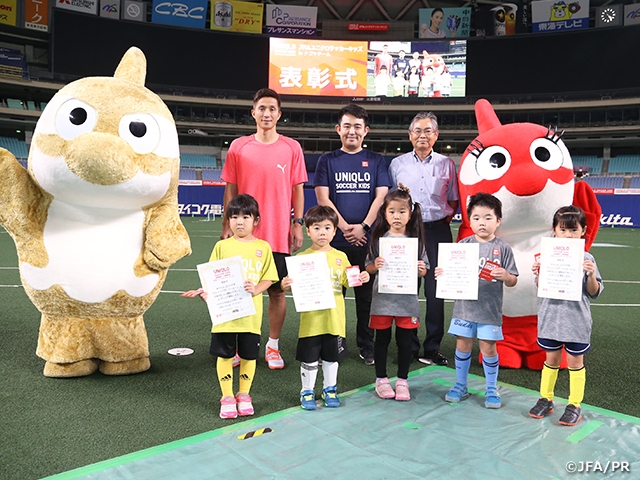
<point>322,332</point>
<point>243,334</point>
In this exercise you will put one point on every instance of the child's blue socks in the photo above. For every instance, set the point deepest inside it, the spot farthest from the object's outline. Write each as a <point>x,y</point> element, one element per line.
<point>463,362</point>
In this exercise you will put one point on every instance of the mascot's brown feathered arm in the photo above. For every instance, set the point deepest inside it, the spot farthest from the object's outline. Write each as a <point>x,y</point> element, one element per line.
<point>23,206</point>
<point>584,198</point>
<point>166,239</point>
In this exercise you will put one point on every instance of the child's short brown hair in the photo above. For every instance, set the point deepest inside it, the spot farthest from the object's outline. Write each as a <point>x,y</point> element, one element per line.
<point>320,213</point>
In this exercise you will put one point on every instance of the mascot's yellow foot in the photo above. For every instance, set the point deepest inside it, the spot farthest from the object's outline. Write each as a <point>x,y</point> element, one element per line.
<point>74,369</point>
<point>128,367</point>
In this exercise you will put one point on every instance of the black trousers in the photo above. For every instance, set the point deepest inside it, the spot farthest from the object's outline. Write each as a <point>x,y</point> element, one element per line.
<point>434,317</point>
<point>364,334</point>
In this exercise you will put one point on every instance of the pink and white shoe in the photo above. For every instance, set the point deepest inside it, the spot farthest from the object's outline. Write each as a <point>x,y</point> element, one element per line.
<point>245,407</point>
<point>228,407</point>
<point>384,388</point>
<point>236,360</point>
<point>402,390</point>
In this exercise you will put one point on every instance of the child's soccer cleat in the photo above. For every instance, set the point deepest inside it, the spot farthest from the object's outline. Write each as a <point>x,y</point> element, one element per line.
<point>228,407</point>
<point>245,407</point>
<point>492,398</point>
<point>236,360</point>
<point>457,393</point>
<point>308,400</point>
<point>330,397</point>
<point>274,359</point>
<point>541,408</point>
<point>571,416</point>
<point>384,388</point>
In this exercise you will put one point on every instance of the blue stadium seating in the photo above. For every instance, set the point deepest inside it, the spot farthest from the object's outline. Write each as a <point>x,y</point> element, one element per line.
<point>211,174</point>
<point>187,174</point>
<point>635,182</point>
<point>198,160</point>
<point>605,182</point>
<point>594,163</point>
<point>15,146</point>
<point>624,164</point>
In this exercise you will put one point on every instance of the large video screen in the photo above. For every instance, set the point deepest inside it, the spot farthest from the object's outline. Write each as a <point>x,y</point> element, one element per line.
<point>357,69</point>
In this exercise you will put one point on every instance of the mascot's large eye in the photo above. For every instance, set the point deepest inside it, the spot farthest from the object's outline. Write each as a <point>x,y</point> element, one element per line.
<point>74,118</point>
<point>141,131</point>
<point>546,153</point>
<point>493,162</point>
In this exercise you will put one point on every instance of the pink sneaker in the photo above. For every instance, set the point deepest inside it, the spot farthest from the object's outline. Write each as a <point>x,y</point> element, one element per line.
<point>228,407</point>
<point>273,358</point>
<point>402,390</point>
<point>245,408</point>
<point>384,388</point>
<point>236,361</point>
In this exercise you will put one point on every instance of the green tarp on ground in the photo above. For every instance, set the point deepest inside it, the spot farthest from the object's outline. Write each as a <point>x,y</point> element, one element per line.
<point>383,439</point>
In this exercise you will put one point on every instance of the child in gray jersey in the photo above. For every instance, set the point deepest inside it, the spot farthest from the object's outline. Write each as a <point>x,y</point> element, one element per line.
<point>398,217</point>
<point>566,323</point>
<point>482,317</point>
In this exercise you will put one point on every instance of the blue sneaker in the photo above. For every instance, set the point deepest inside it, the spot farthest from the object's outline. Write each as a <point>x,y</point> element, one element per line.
<point>330,397</point>
<point>308,400</point>
<point>457,393</point>
<point>492,398</point>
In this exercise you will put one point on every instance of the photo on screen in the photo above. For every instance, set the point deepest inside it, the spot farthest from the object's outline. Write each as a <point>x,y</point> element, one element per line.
<point>417,69</point>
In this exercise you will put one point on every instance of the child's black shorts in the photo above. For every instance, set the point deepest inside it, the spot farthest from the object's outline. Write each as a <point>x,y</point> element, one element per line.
<point>329,348</point>
<point>225,345</point>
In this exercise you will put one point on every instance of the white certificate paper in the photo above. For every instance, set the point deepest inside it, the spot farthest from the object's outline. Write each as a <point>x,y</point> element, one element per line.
<point>311,286</point>
<point>400,271</point>
<point>561,271</point>
<point>459,278</point>
<point>224,280</point>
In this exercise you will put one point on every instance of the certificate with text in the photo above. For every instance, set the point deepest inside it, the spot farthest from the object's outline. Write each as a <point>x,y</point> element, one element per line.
<point>561,271</point>
<point>400,271</point>
<point>227,299</point>
<point>459,278</point>
<point>311,286</point>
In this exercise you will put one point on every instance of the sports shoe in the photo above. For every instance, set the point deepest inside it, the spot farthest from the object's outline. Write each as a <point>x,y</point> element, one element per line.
<point>367,357</point>
<point>330,397</point>
<point>402,391</point>
<point>236,360</point>
<point>571,415</point>
<point>457,393</point>
<point>541,408</point>
<point>245,407</point>
<point>384,388</point>
<point>228,407</point>
<point>274,359</point>
<point>434,358</point>
<point>308,400</point>
<point>492,398</point>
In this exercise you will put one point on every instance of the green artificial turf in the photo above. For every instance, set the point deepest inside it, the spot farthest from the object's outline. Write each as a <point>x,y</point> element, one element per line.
<point>54,425</point>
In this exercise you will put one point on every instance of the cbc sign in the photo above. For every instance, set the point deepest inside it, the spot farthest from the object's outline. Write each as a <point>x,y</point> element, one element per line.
<point>185,13</point>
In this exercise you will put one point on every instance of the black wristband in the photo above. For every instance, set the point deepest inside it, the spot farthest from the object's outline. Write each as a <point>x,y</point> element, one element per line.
<point>365,226</point>
<point>299,221</point>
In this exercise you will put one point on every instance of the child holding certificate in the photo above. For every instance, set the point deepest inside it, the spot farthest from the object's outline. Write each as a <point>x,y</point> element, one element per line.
<point>241,335</point>
<point>322,332</point>
<point>482,318</point>
<point>398,218</point>
<point>565,323</point>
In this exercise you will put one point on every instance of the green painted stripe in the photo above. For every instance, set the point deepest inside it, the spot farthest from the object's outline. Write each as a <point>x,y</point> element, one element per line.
<point>584,432</point>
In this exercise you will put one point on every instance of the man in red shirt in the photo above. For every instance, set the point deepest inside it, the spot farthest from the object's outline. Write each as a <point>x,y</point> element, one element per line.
<point>271,168</point>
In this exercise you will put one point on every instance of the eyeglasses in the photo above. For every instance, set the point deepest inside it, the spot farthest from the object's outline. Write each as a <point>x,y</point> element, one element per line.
<point>427,131</point>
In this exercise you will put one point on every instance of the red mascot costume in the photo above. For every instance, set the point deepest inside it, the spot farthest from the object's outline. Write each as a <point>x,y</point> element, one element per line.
<point>529,169</point>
